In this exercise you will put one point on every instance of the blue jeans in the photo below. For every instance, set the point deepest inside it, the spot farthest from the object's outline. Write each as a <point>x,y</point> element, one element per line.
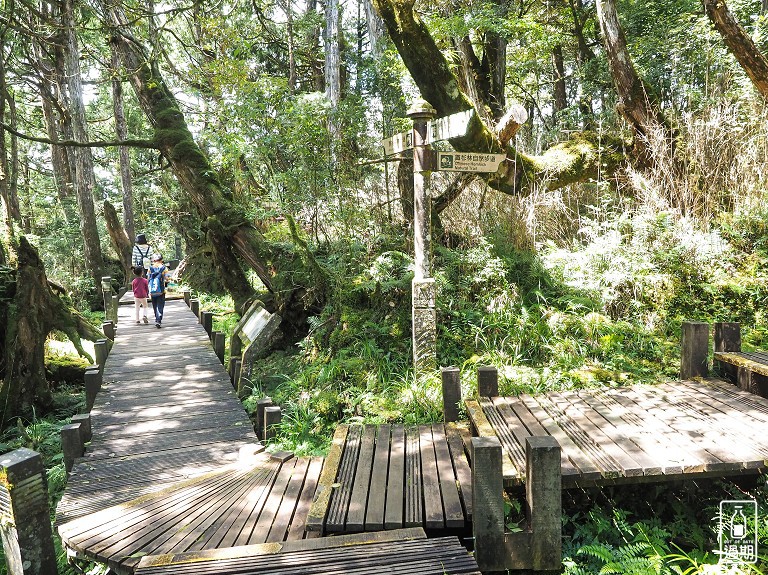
<point>158,305</point>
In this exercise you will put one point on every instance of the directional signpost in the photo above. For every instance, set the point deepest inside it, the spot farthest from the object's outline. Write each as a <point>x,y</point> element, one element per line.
<point>425,131</point>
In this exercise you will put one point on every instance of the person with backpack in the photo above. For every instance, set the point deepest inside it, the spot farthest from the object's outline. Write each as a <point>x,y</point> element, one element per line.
<point>140,287</point>
<point>158,277</point>
<point>140,254</point>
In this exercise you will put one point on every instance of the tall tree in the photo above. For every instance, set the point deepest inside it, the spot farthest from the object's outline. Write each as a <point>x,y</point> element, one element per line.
<point>121,129</point>
<point>84,180</point>
<point>754,63</point>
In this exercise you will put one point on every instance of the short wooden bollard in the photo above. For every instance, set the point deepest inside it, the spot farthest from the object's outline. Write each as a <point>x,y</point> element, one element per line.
<point>187,296</point>
<point>206,318</point>
<point>108,327</point>
<point>84,419</point>
<point>544,492</point>
<point>100,351</point>
<point>488,504</point>
<point>695,349</point>
<point>235,352</point>
<point>25,520</point>
<point>219,342</point>
<point>261,405</point>
<point>272,416</point>
<point>236,369</point>
<point>106,293</point>
<point>92,379</point>
<point>194,305</point>
<point>72,445</point>
<point>114,308</point>
<point>487,381</point>
<point>451,393</point>
<point>727,336</point>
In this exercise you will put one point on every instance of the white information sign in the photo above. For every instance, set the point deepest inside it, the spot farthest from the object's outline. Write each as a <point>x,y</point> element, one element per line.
<point>449,127</point>
<point>469,162</point>
<point>255,324</point>
<point>397,143</point>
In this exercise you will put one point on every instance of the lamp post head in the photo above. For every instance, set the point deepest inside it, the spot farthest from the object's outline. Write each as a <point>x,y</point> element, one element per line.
<point>421,110</point>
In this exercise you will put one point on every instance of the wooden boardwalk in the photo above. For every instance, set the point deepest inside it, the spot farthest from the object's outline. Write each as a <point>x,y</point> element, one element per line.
<point>636,434</point>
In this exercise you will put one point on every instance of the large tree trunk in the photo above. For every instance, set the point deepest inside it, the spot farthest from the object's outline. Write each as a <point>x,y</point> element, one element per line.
<point>119,237</point>
<point>228,229</point>
<point>740,44</point>
<point>35,311</point>
<point>559,93</point>
<point>635,100</point>
<point>586,156</point>
<point>121,129</point>
<point>85,181</point>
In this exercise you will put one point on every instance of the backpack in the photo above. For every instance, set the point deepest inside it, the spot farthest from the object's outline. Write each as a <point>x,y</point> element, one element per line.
<point>156,283</point>
<point>144,257</point>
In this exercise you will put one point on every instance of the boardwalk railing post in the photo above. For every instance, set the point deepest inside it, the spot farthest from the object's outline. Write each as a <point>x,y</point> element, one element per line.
<point>261,405</point>
<point>727,336</point>
<point>487,381</point>
<point>72,445</point>
<point>25,520</point>
<point>187,296</point>
<point>219,340</point>
<point>206,318</point>
<point>100,351</point>
<point>236,369</point>
<point>194,305</point>
<point>543,493</point>
<point>106,293</point>
<point>108,327</point>
<point>695,349</point>
<point>92,379</point>
<point>114,308</point>
<point>272,416</point>
<point>488,504</point>
<point>451,393</point>
<point>84,419</point>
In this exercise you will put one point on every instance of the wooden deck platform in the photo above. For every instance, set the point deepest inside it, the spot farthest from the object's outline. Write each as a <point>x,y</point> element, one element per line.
<point>635,434</point>
<point>401,552</point>
<point>394,476</point>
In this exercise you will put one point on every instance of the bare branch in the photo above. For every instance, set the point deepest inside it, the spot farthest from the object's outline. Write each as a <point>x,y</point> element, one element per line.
<point>148,144</point>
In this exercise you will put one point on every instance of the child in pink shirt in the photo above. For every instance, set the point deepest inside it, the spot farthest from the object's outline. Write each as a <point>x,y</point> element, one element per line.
<point>140,287</point>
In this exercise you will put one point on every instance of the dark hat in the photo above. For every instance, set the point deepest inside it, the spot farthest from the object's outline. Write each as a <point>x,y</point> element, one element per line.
<point>141,239</point>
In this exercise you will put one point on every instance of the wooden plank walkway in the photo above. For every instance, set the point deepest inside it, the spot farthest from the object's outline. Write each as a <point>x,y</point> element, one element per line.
<point>174,464</point>
<point>401,552</point>
<point>634,434</point>
<point>394,476</point>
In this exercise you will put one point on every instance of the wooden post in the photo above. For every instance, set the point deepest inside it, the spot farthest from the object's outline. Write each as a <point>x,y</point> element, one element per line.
<point>272,416</point>
<point>727,336</point>
<point>84,419</point>
<point>451,393</point>
<point>488,504</point>
<point>235,352</point>
<point>487,381</point>
<point>114,308</point>
<point>236,373</point>
<point>106,293</point>
<point>92,378</point>
<point>194,305</point>
<point>423,286</point>
<point>108,327</point>
<point>25,520</point>
<point>206,318</point>
<point>71,444</point>
<point>187,295</point>
<point>100,351</point>
<point>543,494</point>
<point>744,379</point>
<point>219,341</point>
<point>261,405</point>
<point>695,349</point>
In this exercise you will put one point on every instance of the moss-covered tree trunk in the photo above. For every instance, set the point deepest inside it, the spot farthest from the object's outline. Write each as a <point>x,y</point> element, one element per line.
<point>33,312</point>
<point>585,156</point>
<point>228,230</point>
<point>119,238</point>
